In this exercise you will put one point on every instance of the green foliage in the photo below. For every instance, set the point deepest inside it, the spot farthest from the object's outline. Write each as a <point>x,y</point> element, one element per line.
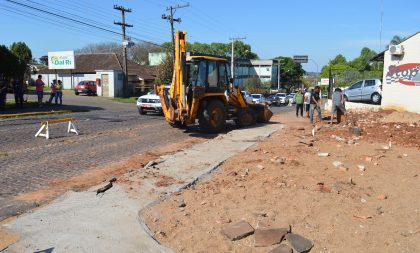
<point>22,51</point>
<point>347,72</point>
<point>10,64</point>
<point>290,72</point>
<point>242,50</point>
<point>254,85</point>
<point>44,59</point>
<point>164,71</point>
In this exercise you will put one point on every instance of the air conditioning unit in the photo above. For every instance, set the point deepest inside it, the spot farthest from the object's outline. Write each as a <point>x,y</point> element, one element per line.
<point>396,50</point>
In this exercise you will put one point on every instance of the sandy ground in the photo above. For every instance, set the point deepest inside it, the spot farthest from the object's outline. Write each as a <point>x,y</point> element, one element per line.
<point>319,201</point>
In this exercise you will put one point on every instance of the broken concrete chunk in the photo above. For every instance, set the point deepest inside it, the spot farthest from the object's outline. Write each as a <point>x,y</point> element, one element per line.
<point>238,230</point>
<point>181,203</point>
<point>299,243</point>
<point>337,138</point>
<point>260,167</point>
<point>356,131</point>
<point>361,167</point>
<point>283,248</point>
<point>337,164</point>
<point>267,237</point>
<point>323,154</point>
<point>336,188</point>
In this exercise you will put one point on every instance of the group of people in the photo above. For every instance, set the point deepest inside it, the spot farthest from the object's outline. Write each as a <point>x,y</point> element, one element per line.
<point>56,91</point>
<point>311,102</point>
<point>19,89</point>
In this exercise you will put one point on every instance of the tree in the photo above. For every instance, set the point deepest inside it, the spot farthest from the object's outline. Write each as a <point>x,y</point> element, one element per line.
<point>164,71</point>
<point>254,85</point>
<point>44,59</point>
<point>22,51</point>
<point>140,52</point>
<point>10,65</point>
<point>104,47</point>
<point>290,72</point>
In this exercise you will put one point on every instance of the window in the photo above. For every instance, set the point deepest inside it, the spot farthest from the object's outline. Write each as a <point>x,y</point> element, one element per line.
<point>369,83</point>
<point>357,85</point>
<point>223,80</point>
<point>201,78</point>
<point>212,74</point>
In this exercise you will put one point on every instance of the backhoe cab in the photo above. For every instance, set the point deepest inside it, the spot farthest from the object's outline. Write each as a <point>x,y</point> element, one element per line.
<point>201,89</point>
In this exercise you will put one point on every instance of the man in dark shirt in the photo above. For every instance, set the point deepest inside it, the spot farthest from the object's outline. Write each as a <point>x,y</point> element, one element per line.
<point>315,104</point>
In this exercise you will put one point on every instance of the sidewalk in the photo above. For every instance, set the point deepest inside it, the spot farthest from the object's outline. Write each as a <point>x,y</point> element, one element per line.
<point>110,222</point>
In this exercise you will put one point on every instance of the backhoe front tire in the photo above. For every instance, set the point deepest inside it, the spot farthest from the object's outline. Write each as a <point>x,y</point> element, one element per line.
<point>212,118</point>
<point>246,117</point>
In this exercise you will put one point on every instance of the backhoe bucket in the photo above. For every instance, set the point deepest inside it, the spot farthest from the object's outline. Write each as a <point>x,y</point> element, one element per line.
<point>262,112</point>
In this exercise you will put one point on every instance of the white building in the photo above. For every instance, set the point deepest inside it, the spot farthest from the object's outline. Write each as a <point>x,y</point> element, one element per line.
<point>106,69</point>
<point>264,70</point>
<point>401,76</point>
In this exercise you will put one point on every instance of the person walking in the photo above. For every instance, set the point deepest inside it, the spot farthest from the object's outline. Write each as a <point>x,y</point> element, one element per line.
<point>39,87</point>
<point>315,104</point>
<point>18,92</point>
<point>307,101</point>
<point>59,92</point>
<point>299,103</point>
<point>53,90</point>
<point>338,106</point>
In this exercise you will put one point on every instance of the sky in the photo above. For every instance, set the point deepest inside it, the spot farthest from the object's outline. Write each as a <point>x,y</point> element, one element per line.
<point>320,29</point>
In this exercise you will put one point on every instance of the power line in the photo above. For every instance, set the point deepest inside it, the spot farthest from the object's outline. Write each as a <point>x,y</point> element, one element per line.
<point>73,20</point>
<point>125,43</point>
<point>171,20</point>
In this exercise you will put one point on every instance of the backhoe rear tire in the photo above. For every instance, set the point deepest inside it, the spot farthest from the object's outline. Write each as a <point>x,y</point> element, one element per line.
<point>246,117</point>
<point>212,118</point>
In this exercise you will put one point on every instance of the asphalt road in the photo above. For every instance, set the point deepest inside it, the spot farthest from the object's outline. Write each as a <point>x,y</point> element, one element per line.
<point>110,131</point>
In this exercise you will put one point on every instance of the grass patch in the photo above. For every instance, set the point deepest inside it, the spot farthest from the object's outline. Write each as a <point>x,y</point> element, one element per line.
<point>130,100</point>
<point>32,88</point>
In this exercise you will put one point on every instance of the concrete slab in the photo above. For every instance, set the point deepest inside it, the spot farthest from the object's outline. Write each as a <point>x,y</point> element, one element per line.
<point>84,222</point>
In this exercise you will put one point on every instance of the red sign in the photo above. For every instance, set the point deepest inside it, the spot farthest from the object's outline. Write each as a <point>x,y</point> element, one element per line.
<point>407,74</point>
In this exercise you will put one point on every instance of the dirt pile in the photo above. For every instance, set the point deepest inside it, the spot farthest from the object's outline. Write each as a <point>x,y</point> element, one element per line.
<point>359,197</point>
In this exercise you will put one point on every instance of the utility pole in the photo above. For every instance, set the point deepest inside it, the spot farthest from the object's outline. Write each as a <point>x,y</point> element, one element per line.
<point>232,62</point>
<point>171,20</point>
<point>125,44</point>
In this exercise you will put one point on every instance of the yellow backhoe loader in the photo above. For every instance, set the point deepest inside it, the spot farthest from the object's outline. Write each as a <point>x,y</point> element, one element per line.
<point>201,89</point>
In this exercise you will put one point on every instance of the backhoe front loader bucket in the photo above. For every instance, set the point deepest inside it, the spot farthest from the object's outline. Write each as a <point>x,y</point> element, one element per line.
<point>262,112</point>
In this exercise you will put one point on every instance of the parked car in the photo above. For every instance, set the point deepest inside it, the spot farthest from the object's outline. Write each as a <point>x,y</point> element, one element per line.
<point>273,100</point>
<point>258,98</point>
<point>291,98</point>
<point>87,87</point>
<point>282,98</point>
<point>149,103</point>
<point>365,90</point>
<point>247,96</point>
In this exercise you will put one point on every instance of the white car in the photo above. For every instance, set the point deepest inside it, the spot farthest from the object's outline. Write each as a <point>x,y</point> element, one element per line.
<point>247,96</point>
<point>258,98</point>
<point>282,98</point>
<point>365,90</point>
<point>149,103</point>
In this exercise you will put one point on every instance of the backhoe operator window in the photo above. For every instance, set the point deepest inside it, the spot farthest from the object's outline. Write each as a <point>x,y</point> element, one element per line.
<point>212,76</point>
<point>223,79</point>
<point>201,78</point>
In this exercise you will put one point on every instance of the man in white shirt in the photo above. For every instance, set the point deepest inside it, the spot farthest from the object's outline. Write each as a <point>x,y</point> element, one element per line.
<point>307,101</point>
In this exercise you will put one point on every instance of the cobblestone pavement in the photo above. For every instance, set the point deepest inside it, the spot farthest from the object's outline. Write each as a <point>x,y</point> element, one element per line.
<point>111,133</point>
